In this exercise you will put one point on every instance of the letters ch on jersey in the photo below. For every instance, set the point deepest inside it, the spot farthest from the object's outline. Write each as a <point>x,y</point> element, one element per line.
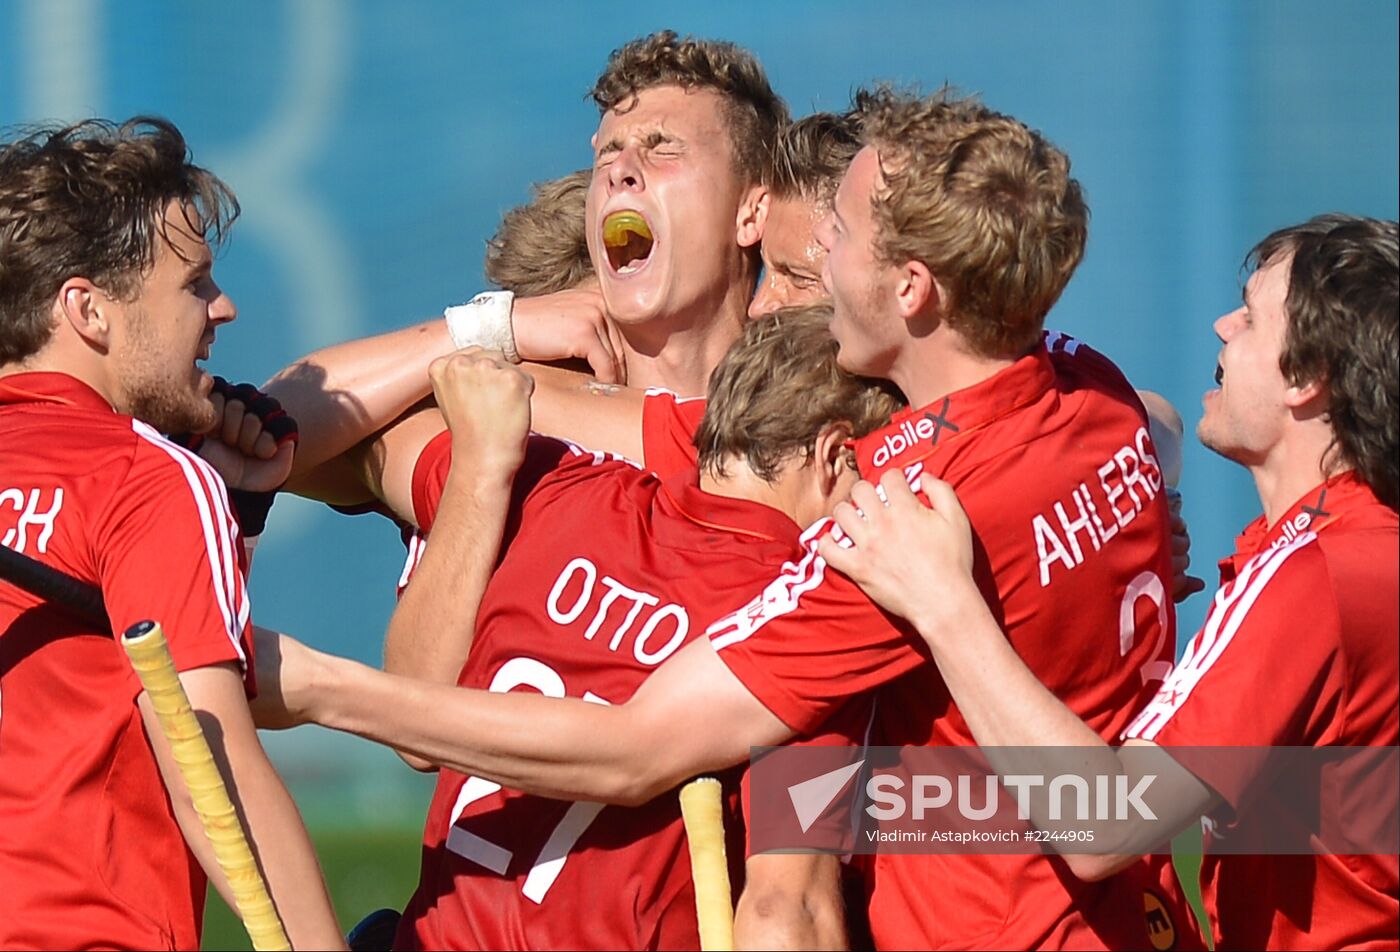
<point>34,512</point>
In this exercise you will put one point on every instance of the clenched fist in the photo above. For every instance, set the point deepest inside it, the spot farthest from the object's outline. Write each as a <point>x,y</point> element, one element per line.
<point>486,402</point>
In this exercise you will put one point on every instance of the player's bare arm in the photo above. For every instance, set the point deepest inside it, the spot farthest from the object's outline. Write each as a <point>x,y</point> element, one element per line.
<point>791,901</point>
<point>916,561</point>
<point>563,403</point>
<point>587,410</point>
<point>248,457</point>
<point>275,831</point>
<point>486,403</point>
<point>345,393</point>
<point>689,717</point>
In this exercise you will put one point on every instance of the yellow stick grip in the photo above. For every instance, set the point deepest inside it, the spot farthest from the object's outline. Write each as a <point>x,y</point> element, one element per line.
<point>150,655</point>
<point>703,811</point>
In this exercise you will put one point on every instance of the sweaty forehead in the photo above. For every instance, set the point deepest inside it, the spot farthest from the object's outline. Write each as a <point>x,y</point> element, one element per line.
<point>789,234</point>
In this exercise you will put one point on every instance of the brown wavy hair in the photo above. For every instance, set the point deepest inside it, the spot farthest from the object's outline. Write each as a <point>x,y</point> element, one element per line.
<point>985,202</point>
<point>1343,309</point>
<point>541,246</point>
<point>778,387</point>
<point>88,200</point>
<point>752,111</point>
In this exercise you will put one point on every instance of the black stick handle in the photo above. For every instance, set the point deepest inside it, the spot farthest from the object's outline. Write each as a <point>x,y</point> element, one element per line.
<point>52,585</point>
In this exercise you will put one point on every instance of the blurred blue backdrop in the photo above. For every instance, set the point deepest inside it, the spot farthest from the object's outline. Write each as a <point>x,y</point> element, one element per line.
<point>374,146</point>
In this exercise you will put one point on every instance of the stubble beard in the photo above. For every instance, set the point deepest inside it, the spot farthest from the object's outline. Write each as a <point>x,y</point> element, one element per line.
<point>170,403</point>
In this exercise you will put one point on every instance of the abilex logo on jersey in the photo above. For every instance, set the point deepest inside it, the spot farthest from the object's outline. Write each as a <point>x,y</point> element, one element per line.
<point>910,432</point>
<point>1062,799</point>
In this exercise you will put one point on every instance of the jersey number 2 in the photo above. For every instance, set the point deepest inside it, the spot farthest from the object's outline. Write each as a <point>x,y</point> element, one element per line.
<point>523,672</point>
<point>1149,586</point>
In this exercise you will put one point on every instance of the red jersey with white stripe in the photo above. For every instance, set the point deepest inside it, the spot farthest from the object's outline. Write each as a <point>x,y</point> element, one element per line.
<point>90,852</point>
<point>669,422</point>
<point>1053,462</point>
<point>608,571</point>
<point>1299,650</point>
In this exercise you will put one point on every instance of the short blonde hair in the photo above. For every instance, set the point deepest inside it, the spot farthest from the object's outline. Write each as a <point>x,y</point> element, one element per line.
<point>541,246</point>
<point>985,202</point>
<point>778,387</point>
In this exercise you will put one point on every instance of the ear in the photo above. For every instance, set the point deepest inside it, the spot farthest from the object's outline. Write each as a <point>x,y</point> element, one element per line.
<point>753,215</point>
<point>830,454</point>
<point>916,290</point>
<point>86,309</point>
<point>1301,396</point>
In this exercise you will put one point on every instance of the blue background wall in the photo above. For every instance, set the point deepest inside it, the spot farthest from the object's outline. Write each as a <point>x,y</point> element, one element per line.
<point>374,146</point>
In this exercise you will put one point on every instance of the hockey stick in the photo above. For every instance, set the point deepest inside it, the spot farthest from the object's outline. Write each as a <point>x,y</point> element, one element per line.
<point>703,812</point>
<point>51,585</point>
<point>150,655</point>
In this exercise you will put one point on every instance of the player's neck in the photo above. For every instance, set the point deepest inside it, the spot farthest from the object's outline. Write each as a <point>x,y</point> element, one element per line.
<point>930,368</point>
<point>678,351</point>
<point>58,357</point>
<point>1291,470</point>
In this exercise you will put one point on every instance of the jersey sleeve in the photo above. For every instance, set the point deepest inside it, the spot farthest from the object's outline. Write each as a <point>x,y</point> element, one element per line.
<point>811,639</point>
<point>669,423</point>
<point>1261,673</point>
<point>167,549</point>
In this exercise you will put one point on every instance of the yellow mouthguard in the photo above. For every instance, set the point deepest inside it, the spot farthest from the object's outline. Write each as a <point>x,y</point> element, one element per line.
<point>619,225</point>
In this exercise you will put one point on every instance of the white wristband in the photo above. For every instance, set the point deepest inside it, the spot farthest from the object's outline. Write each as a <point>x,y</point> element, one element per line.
<point>484,321</point>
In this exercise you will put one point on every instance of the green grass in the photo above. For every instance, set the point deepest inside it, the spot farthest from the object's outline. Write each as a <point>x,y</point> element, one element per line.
<point>1186,857</point>
<point>365,869</point>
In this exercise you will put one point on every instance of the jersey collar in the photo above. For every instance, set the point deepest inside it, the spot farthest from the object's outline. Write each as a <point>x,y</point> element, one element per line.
<point>725,513</point>
<point>1320,507</point>
<point>47,386</point>
<point>916,434</point>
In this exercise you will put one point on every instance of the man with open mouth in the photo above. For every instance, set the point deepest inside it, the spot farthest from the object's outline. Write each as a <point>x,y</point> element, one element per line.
<point>674,215</point>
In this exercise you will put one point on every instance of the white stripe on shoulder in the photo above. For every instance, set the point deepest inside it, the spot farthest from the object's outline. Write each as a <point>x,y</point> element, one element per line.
<point>216,524</point>
<point>599,456</point>
<point>779,597</point>
<point>663,392</point>
<point>1229,611</point>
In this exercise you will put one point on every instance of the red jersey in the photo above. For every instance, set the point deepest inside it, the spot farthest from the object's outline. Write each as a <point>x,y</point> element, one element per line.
<point>90,852</point>
<point>608,572</point>
<point>1053,462</point>
<point>669,422</point>
<point>1299,649</point>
